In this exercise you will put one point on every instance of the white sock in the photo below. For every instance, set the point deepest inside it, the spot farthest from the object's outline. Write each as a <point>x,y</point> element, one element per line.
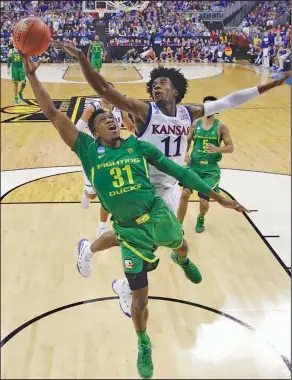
<point>102,224</point>
<point>88,252</point>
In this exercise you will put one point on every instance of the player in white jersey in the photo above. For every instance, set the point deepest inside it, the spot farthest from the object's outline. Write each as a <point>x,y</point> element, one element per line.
<point>122,118</point>
<point>167,87</point>
<point>169,135</point>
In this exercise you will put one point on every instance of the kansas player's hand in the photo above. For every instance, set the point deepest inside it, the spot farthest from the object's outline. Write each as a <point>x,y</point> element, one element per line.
<point>68,46</point>
<point>229,203</point>
<point>282,80</point>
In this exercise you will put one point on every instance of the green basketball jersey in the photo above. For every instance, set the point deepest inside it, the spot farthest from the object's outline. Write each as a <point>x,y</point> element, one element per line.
<point>202,137</point>
<point>96,50</point>
<point>16,59</point>
<point>119,176</point>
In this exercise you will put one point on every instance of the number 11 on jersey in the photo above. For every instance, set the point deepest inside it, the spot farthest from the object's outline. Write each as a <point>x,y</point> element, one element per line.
<point>167,147</point>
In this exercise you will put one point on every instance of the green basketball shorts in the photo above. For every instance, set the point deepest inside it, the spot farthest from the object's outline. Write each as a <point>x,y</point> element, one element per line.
<point>96,63</point>
<point>17,74</point>
<point>140,238</point>
<point>210,175</point>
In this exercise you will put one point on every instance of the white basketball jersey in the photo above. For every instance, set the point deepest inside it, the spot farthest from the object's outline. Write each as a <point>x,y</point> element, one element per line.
<point>118,115</point>
<point>170,135</point>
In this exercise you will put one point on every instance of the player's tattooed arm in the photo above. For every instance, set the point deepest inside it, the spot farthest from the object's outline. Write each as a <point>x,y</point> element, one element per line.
<point>100,85</point>
<point>227,140</point>
<point>234,100</point>
<point>61,122</point>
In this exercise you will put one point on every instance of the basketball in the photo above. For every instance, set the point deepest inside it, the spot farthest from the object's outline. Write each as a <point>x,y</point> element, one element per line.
<point>31,36</point>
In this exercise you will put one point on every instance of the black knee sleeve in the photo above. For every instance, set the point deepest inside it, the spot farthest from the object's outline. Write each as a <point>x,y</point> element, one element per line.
<point>139,280</point>
<point>203,196</point>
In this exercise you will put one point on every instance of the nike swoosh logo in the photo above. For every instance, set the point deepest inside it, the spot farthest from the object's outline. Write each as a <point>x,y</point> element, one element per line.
<point>101,156</point>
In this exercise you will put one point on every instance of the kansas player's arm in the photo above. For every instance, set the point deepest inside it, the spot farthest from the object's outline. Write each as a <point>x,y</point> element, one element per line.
<point>104,89</point>
<point>188,178</point>
<point>128,123</point>
<point>82,123</point>
<point>61,122</point>
<point>234,100</point>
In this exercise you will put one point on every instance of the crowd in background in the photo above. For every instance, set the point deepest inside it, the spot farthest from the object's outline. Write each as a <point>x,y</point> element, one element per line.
<point>167,18</point>
<point>64,18</point>
<point>172,25</point>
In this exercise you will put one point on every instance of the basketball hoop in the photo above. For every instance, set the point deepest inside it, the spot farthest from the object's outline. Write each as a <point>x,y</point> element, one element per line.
<point>113,6</point>
<point>124,5</point>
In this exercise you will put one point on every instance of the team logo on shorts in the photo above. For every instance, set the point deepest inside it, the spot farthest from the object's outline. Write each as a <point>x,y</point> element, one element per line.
<point>129,263</point>
<point>100,150</point>
<point>130,150</point>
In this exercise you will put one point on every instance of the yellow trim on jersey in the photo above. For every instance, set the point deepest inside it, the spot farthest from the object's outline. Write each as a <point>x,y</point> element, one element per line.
<point>146,167</point>
<point>92,176</point>
<point>182,241</point>
<point>216,184</point>
<point>134,250</point>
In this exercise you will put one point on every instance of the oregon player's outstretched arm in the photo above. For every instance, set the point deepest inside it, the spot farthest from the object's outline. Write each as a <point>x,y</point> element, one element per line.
<point>103,89</point>
<point>234,100</point>
<point>61,122</point>
<point>187,177</point>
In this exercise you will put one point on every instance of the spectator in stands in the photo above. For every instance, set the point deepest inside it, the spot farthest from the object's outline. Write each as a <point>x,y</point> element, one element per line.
<point>282,55</point>
<point>257,41</point>
<point>134,56</point>
<point>163,55</point>
<point>252,53</point>
<point>151,56</point>
<point>278,40</point>
<point>243,40</point>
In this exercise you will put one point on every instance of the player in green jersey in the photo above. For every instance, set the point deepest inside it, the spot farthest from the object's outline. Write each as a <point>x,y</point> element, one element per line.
<point>17,72</point>
<point>207,134</point>
<point>118,170</point>
<point>98,53</point>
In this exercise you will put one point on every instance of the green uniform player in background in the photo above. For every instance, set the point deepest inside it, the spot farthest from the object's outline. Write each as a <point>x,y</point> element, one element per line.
<point>98,53</point>
<point>207,135</point>
<point>17,73</point>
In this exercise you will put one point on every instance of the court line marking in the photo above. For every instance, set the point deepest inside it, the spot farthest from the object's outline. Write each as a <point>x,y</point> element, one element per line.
<point>68,166</point>
<point>168,299</point>
<point>277,257</point>
<point>246,216</point>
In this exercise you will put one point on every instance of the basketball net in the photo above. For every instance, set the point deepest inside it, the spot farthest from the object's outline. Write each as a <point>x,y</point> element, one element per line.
<point>114,6</point>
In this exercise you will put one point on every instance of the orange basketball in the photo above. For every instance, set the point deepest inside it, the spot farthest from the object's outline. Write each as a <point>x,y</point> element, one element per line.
<point>31,36</point>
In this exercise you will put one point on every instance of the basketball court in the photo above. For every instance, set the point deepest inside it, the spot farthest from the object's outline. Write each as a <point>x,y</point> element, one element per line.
<point>234,324</point>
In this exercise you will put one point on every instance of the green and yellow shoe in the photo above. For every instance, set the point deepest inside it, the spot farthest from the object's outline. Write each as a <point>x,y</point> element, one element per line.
<point>20,95</point>
<point>144,362</point>
<point>200,224</point>
<point>191,271</point>
<point>16,100</point>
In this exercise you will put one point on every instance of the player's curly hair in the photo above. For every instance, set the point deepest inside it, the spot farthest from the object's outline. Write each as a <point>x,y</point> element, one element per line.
<point>92,117</point>
<point>177,79</point>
